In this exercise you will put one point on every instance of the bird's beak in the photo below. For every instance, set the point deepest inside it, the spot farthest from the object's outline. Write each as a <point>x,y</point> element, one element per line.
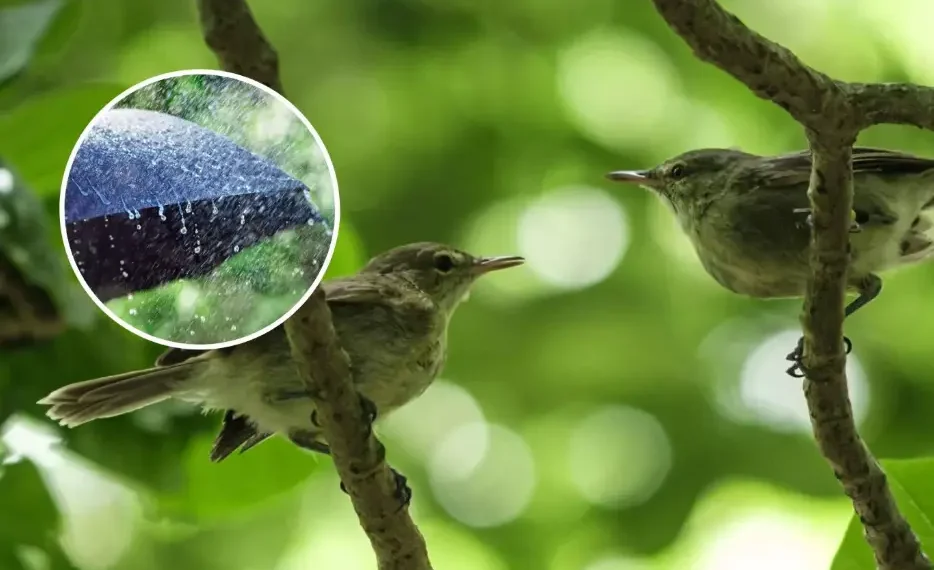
<point>487,264</point>
<point>641,177</point>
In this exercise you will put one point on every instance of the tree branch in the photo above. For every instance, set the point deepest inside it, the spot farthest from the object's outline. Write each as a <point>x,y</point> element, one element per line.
<point>358,456</point>
<point>896,103</point>
<point>233,34</point>
<point>832,113</point>
<point>240,46</point>
<point>766,68</point>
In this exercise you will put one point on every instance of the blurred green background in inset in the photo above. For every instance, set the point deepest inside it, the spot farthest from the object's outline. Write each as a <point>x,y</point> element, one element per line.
<point>607,407</point>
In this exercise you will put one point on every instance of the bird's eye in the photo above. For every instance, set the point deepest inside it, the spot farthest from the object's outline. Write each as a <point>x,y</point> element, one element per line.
<point>444,262</point>
<point>677,171</point>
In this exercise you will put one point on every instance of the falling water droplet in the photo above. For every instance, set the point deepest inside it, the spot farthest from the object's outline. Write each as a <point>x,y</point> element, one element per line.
<point>311,221</point>
<point>213,208</point>
<point>233,327</point>
<point>139,227</point>
<point>236,248</point>
<point>132,311</point>
<point>125,274</point>
<point>197,249</point>
<point>188,211</point>
<point>242,219</point>
<point>122,262</point>
<point>184,230</point>
<point>161,212</point>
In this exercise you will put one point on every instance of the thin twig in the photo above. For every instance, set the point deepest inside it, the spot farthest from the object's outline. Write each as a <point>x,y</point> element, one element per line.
<point>832,113</point>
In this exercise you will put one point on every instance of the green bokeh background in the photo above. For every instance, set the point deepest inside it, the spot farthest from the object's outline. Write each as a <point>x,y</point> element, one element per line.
<point>607,407</point>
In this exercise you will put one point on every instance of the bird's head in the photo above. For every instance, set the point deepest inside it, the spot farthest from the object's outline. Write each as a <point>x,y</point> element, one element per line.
<point>441,271</point>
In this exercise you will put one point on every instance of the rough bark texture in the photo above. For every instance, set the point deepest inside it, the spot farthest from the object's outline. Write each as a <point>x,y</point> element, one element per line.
<point>832,113</point>
<point>238,42</point>
<point>358,456</point>
<point>232,33</point>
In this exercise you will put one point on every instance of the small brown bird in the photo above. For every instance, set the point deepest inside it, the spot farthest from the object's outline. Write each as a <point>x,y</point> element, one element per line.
<point>391,318</point>
<point>746,217</point>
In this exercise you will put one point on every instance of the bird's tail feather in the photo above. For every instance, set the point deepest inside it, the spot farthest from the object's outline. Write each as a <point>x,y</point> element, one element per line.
<point>82,402</point>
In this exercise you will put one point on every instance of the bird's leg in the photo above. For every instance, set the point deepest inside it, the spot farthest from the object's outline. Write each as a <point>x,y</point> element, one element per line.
<point>369,412</point>
<point>869,288</point>
<point>402,492</point>
<point>308,440</point>
<point>855,227</point>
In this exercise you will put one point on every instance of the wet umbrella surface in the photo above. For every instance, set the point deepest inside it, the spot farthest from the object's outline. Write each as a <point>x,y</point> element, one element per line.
<point>152,198</point>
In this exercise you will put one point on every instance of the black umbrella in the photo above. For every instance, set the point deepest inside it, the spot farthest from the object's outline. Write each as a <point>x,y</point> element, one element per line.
<point>152,198</point>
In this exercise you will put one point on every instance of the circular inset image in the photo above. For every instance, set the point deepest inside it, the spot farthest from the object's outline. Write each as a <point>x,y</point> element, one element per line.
<point>199,209</point>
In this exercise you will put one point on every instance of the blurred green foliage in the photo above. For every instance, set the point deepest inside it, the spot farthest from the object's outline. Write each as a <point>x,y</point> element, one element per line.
<point>448,121</point>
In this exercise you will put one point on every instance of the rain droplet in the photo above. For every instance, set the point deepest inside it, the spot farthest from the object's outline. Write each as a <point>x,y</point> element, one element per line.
<point>213,208</point>
<point>129,297</point>
<point>139,227</point>
<point>242,219</point>
<point>132,311</point>
<point>111,237</point>
<point>188,211</point>
<point>233,327</point>
<point>198,249</point>
<point>236,248</point>
<point>184,230</point>
<point>125,274</point>
<point>201,318</point>
<point>122,262</point>
<point>311,221</point>
<point>162,212</point>
<point>192,333</point>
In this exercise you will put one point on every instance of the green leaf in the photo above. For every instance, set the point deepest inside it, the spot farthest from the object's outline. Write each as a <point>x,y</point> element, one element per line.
<point>21,29</point>
<point>39,135</point>
<point>215,491</point>
<point>29,514</point>
<point>912,484</point>
<point>34,269</point>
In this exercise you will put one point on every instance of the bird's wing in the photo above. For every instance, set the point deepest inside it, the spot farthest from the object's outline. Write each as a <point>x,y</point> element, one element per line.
<point>795,169</point>
<point>357,291</point>
<point>177,355</point>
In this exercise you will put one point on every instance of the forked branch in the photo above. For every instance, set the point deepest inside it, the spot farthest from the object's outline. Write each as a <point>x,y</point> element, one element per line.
<point>832,113</point>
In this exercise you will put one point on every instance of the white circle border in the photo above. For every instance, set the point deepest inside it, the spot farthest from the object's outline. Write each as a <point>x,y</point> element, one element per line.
<point>334,231</point>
